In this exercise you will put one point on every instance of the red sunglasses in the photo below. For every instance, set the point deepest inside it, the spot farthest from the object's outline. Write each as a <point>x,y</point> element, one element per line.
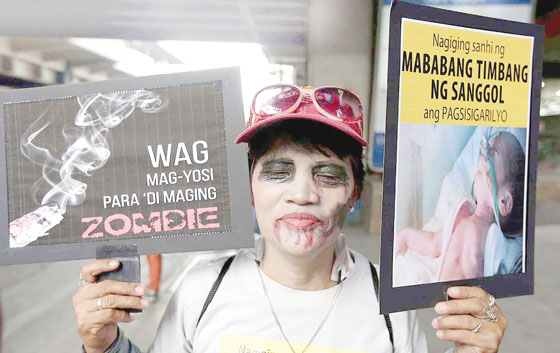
<point>337,107</point>
<point>336,103</point>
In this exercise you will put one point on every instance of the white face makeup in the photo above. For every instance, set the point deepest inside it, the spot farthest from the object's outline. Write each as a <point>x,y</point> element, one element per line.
<point>301,199</point>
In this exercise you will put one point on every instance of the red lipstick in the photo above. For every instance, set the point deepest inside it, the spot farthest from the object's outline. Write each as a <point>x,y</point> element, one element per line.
<point>300,221</point>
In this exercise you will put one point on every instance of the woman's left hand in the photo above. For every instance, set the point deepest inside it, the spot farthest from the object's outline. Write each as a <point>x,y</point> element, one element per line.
<point>463,321</point>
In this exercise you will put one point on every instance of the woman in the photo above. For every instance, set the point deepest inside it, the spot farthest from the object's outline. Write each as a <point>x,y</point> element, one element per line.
<point>301,289</point>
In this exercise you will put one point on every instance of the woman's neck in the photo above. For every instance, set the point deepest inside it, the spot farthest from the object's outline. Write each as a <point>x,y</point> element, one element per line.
<point>312,272</point>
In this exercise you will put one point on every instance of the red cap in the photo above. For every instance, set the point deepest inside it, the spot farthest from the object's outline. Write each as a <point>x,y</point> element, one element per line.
<point>308,111</point>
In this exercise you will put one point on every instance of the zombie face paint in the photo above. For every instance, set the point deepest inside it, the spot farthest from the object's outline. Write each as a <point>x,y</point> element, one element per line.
<point>301,199</point>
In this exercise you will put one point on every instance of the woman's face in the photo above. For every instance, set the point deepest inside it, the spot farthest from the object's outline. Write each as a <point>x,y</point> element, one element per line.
<point>301,198</point>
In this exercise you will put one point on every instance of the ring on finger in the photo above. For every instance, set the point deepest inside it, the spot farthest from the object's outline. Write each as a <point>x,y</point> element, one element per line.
<point>492,300</point>
<point>488,313</point>
<point>100,303</point>
<point>82,281</point>
<point>476,329</point>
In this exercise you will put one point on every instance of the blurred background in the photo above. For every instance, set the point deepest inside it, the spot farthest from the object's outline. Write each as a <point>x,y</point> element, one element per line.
<point>305,42</point>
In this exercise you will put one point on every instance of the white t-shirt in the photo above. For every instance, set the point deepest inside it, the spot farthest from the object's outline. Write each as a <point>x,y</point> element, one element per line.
<point>239,320</point>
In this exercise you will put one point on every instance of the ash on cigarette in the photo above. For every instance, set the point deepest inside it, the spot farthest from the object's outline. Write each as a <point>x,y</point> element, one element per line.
<point>34,225</point>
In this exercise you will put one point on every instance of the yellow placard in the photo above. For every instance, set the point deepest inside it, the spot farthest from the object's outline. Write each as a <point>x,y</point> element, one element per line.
<point>463,76</point>
<point>242,344</point>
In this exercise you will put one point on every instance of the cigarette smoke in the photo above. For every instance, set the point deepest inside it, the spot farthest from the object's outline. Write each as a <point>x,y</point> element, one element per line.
<point>87,147</point>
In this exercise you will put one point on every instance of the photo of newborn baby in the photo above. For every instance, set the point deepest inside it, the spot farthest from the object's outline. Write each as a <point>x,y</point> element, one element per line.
<point>473,226</point>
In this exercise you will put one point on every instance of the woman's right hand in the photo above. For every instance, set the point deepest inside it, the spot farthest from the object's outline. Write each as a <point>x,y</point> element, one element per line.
<point>97,305</point>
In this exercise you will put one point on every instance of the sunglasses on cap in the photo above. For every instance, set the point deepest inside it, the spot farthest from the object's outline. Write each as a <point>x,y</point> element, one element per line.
<point>331,105</point>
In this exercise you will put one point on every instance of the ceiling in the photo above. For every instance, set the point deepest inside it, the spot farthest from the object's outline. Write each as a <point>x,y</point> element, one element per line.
<point>281,27</point>
<point>60,49</point>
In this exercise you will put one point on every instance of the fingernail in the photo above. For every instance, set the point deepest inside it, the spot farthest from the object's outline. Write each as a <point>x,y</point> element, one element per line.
<point>439,333</point>
<point>139,289</point>
<point>435,323</point>
<point>453,291</point>
<point>439,308</point>
<point>145,302</point>
<point>131,317</point>
<point>113,263</point>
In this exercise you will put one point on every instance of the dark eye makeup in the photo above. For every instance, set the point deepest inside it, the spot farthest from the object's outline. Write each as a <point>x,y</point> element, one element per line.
<point>326,174</point>
<point>277,170</point>
<point>330,174</point>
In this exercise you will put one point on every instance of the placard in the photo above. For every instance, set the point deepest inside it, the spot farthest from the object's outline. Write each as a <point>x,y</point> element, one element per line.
<point>147,161</point>
<point>460,162</point>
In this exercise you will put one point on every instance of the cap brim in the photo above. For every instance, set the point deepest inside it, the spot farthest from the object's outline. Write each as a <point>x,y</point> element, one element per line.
<point>248,133</point>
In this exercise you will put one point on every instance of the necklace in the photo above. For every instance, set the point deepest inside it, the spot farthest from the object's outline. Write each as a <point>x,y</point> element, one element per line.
<point>278,321</point>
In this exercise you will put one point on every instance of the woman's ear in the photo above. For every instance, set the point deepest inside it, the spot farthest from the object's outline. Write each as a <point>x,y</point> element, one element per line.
<point>355,196</point>
<point>505,203</point>
<point>252,197</point>
<point>251,170</point>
